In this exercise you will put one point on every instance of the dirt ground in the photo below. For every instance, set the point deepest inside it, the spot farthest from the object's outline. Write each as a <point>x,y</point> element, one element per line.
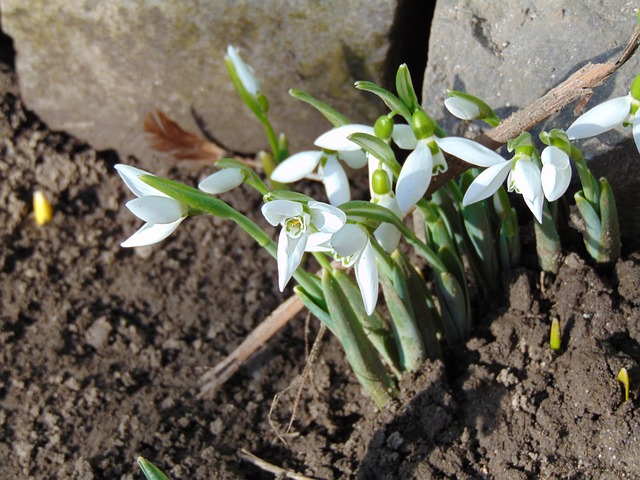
<point>101,349</point>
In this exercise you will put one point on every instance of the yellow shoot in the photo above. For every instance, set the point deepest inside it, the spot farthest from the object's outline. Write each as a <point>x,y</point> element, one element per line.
<point>42,209</point>
<point>623,377</point>
<point>554,339</point>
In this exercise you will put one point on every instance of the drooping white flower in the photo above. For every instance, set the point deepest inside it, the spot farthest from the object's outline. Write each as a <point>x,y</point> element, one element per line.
<point>244,72</point>
<point>522,174</point>
<point>601,118</point>
<point>161,213</point>
<point>556,172</point>
<point>352,247</point>
<point>296,220</point>
<point>335,146</point>
<point>462,108</point>
<point>222,181</point>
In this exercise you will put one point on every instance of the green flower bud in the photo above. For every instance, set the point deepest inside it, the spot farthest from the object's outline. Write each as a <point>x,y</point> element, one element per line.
<point>422,124</point>
<point>383,127</point>
<point>262,102</point>
<point>380,182</point>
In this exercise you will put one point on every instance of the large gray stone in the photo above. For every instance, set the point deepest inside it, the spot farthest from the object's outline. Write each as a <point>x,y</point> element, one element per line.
<point>95,68</point>
<point>511,53</point>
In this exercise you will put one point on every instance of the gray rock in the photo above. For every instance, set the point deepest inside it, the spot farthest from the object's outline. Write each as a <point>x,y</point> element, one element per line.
<point>96,68</point>
<point>509,54</point>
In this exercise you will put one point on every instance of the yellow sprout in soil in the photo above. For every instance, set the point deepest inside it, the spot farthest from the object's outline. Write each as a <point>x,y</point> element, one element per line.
<point>623,377</point>
<point>554,339</point>
<point>42,209</point>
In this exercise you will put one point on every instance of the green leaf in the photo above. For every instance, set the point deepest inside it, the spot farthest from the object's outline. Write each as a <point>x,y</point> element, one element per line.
<point>455,316</point>
<point>592,224</point>
<point>394,103</point>
<point>378,148</point>
<point>150,470</point>
<point>376,327</point>
<point>407,334</point>
<point>319,311</point>
<point>609,250</point>
<point>287,195</point>
<point>362,356</point>
<point>404,87</point>
<point>335,118</point>
<point>480,232</point>
<point>548,244</point>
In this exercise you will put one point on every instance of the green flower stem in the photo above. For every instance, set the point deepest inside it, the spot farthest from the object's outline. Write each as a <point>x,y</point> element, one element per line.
<point>361,354</point>
<point>200,203</point>
<point>589,185</point>
<point>322,259</point>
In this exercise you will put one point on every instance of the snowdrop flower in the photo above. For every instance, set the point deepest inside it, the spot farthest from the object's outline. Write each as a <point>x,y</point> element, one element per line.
<point>425,161</point>
<point>556,172</point>
<point>609,115</point>
<point>335,147</point>
<point>222,181</point>
<point>351,246</point>
<point>244,72</point>
<point>522,174</point>
<point>162,213</point>
<point>462,108</point>
<point>297,220</point>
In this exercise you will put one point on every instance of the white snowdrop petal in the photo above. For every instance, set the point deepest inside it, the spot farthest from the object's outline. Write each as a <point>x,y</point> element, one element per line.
<point>151,233</point>
<point>469,151</point>
<point>404,137</point>
<point>354,158</point>
<point>535,206</point>
<point>222,181</point>
<point>131,177</point>
<point>601,118</point>
<point>326,218</point>
<point>486,183</point>
<point>555,181</point>
<point>296,167</point>
<point>462,108</point>
<point>387,234</point>
<point>367,276</point>
<point>278,210</point>
<point>155,209</point>
<point>349,240</point>
<point>414,177</point>
<point>289,256</point>
<point>319,242</point>
<point>335,182</point>
<point>526,176</point>
<point>244,72</point>
<point>337,140</point>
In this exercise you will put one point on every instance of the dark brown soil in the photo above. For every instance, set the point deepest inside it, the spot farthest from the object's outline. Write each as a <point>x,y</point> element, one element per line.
<point>102,348</point>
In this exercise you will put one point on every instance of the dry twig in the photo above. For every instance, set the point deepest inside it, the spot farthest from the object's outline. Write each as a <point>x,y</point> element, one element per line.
<point>271,468</point>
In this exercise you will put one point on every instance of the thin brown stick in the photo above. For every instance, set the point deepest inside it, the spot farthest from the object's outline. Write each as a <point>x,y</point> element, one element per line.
<point>279,472</point>
<point>577,85</point>
<point>218,375</point>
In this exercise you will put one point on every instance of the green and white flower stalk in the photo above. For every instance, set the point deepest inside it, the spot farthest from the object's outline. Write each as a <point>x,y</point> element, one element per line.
<point>161,213</point>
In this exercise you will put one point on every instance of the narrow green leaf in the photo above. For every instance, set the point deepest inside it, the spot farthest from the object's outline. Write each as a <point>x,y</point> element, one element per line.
<point>287,195</point>
<point>609,250</point>
<point>394,103</point>
<point>319,311</point>
<point>361,354</point>
<point>407,334</point>
<point>548,244</point>
<point>480,232</point>
<point>375,326</point>
<point>592,224</point>
<point>150,470</point>
<point>378,148</point>
<point>335,118</point>
<point>404,87</point>
<point>455,316</point>
<point>424,310</point>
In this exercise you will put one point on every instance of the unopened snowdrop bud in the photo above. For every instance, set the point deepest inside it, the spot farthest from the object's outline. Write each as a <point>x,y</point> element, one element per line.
<point>423,125</point>
<point>42,209</point>
<point>243,71</point>
<point>380,182</point>
<point>222,181</point>
<point>462,108</point>
<point>383,128</point>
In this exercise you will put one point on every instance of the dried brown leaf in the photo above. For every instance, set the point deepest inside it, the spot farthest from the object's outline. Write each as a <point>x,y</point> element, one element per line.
<point>165,135</point>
